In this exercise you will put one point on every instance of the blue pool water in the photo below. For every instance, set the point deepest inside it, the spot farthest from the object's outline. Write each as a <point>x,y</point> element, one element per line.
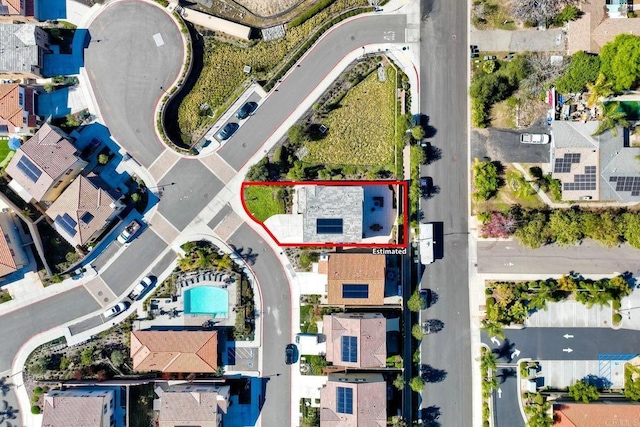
<point>206,300</point>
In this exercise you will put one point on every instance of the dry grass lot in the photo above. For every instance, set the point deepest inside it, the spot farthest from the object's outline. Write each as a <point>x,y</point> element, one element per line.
<point>268,7</point>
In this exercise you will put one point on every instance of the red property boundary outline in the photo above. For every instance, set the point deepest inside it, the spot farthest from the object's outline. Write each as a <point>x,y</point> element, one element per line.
<point>402,186</point>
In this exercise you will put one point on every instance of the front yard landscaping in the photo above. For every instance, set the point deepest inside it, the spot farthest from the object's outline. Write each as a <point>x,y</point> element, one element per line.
<point>265,201</point>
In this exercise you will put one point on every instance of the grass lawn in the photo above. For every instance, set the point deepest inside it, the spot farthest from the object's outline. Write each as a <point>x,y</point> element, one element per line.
<point>503,115</point>
<point>361,128</point>
<point>264,201</point>
<point>4,147</point>
<point>222,73</point>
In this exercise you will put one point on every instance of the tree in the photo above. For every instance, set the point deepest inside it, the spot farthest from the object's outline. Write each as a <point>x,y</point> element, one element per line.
<point>415,302</point>
<point>564,226</point>
<point>39,366</point>
<point>416,384</point>
<point>399,382</point>
<point>542,73</point>
<point>584,391</point>
<point>86,357</point>
<point>493,328</point>
<point>612,117</point>
<point>416,331</point>
<point>601,88</point>
<point>296,133</point>
<point>567,283</point>
<point>604,227</point>
<point>259,172</point>
<point>533,231</point>
<point>417,132</point>
<point>486,180</point>
<point>117,358</point>
<point>488,361</point>
<point>583,68</point>
<point>620,61</point>
<point>631,228</point>
<point>72,122</point>
<point>539,11</point>
<point>499,225</point>
<point>569,13</point>
<point>489,66</point>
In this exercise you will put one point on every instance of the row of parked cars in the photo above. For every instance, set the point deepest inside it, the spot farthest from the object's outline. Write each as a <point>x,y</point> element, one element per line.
<point>230,128</point>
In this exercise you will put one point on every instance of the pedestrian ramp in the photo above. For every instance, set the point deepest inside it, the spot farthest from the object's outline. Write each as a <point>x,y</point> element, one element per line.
<point>612,364</point>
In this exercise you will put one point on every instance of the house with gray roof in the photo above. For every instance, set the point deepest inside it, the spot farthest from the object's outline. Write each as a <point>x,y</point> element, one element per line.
<point>43,167</point>
<point>602,167</point>
<point>194,404</point>
<point>22,49</point>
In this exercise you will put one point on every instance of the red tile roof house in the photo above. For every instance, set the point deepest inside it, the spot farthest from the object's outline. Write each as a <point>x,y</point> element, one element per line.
<point>198,404</point>
<point>355,279</point>
<point>12,255</point>
<point>356,340</point>
<point>596,414</point>
<point>79,407</point>
<point>354,400</point>
<point>43,167</point>
<point>85,209</point>
<point>17,109</point>
<point>17,7</point>
<point>175,351</point>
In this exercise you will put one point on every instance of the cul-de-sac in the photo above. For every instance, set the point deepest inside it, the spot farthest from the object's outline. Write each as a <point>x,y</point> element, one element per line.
<point>319,213</point>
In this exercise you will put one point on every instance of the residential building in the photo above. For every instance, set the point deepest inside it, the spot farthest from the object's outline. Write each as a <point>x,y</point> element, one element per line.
<point>356,340</point>
<point>17,109</point>
<point>17,7</point>
<point>12,254</point>
<point>595,414</point>
<point>79,407</point>
<point>355,278</point>
<point>591,167</point>
<point>85,209</point>
<point>194,404</point>
<point>23,47</point>
<point>44,165</point>
<point>354,400</point>
<point>175,351</point>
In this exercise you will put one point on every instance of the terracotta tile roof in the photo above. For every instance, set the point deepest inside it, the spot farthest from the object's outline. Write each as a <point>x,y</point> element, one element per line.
<point>323,266</point>
<point>12,5</point>
<point>77,411</point>
<point>11,113</point>
<point>50,152</point>
<point>371,332</point>
<point>89,202</point>
<point>596,414</point>
<point>175,351</point>
<point>369,403</point>
<point>356,268</point>
<point>7,263</point>
<point>196,404</point>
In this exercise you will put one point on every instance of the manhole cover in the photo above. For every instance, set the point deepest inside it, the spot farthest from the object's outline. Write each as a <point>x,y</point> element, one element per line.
<point>99,293</point>
<point>250,364</point>
<point>106,299</point>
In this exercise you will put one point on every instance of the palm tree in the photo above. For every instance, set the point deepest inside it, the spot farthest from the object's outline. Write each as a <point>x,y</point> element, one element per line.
<point>601,88</point>
<point>612,117</point>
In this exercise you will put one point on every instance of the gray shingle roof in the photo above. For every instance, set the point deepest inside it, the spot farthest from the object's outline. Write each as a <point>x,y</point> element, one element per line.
<point>20,46</point>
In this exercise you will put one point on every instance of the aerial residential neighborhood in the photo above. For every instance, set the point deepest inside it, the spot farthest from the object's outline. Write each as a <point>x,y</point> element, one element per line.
<point>319,213</point>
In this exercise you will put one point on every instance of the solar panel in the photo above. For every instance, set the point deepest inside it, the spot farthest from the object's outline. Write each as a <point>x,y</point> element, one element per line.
<point>30,170</point>
<point>344,400</point>
<point>67,224</point>
<point>86,217</point>
<point>349,349</point>
<point>355,291</point>
<point>329,225</point>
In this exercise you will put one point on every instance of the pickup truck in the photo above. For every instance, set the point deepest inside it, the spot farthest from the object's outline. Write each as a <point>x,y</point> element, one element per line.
<point>534,138</point>
<point>129,231</point>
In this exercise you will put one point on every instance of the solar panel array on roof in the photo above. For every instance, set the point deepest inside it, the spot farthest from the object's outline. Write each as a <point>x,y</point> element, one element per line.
<point>30,170</point>
<point>355,291</point>
<point>563,164</point>
<point>349,349</point>
<point>329,225</point>
<point>586,181</point>
<point>627,183</point>
<point>344,400</point>
<point>67,224</point>
<point>86,217</point>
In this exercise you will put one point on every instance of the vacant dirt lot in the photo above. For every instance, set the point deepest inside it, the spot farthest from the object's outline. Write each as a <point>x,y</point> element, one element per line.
<point>268,7</point>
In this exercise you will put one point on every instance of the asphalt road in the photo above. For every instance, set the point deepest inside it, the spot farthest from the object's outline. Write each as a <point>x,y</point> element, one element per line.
<point>586,258</point>
<point>550,343</point>
<point>506,412</point>
<point>19,326</point>
<point>276,319</point>
<point>302,81</point>
<point>127,70</point>
<point>443,98</point>
<point>186,189</point>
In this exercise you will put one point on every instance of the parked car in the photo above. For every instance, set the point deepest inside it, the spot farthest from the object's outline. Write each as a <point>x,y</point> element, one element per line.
<point>425,296</point>
<point>145,283</point>
<point>425,182</point>
<point>290,354</point>
<point>246,110</point>
<point>534,138</point>
<point>228,130</point>
<point>115,310</point>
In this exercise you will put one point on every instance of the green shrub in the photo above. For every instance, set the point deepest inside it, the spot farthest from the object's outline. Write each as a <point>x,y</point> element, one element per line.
<point>37,391</point>
<point>309,13</point>
<point>35,409</point>
<point>617,318</point>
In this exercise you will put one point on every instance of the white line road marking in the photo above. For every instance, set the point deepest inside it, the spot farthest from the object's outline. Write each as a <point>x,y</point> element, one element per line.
<point>567,350</point>
<point>158,39</point>
<point>567,336</point>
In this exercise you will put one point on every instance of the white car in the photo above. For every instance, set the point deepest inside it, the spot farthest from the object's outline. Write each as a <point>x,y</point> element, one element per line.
<point>534,138</point>
<point>141,287</point>
<point>115,310</point>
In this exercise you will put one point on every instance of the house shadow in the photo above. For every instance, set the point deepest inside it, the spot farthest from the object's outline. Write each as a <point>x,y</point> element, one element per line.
<point>50,10</point>
<point>438,240</point>
<point>430,416</point>
<point>54,104</point>
<point>67,64</point>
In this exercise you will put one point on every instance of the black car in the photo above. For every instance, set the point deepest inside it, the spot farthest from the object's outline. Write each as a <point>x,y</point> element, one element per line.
<point>228,130</point>
<point>290,354</point>
<point>246,110</point>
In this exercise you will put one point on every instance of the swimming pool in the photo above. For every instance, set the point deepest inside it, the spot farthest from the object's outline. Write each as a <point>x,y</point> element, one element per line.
<point>631,109</point>
<point>206,300</point>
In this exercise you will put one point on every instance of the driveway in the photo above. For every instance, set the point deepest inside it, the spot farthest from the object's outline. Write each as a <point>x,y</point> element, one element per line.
<point>518,41</point>
<point>135,50</point>
<point>504,145</point>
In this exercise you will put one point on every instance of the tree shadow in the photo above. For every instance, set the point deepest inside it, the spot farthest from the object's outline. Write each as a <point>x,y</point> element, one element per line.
<point>433,298</point>
<point>430,416</point>
<point>505,350</point>
<point>431,374</point>
<point>431,191</point>
<point>507,373</point>
<point>4,387</point>
<point>432,326</point>
<point>432,153</point>
<point>601,383</point>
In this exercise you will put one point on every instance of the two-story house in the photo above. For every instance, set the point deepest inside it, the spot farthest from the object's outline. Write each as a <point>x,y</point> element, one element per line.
<point>23,47</point>
<point>13,8</point>
<point>17,109</point>
<point>93,407</point>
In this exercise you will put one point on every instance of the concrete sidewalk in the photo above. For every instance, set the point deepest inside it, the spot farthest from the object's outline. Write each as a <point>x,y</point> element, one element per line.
<point>518,41</point>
